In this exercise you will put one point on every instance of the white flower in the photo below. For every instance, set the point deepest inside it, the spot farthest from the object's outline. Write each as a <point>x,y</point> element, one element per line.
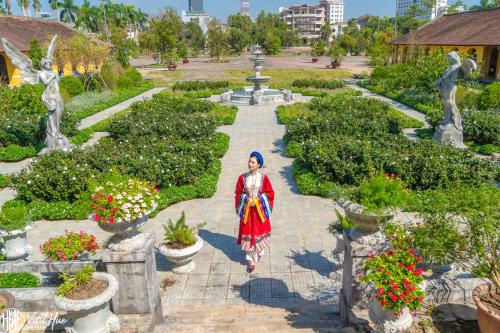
<point>144,205</point>
<point>29,182</point>
<point>129,198</point>
<point>65,168</point>
<point>137,210</point>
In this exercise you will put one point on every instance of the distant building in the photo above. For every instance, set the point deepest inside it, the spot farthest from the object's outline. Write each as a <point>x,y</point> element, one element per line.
<point>403,6</point>
<point>474,33</point>
<point>197,13</point>
<point>363,20</point>
<point>306,19</point>
<point>334,10</point>
<point>245,7</point>
<point>196,6</point>
<point>338,28</point>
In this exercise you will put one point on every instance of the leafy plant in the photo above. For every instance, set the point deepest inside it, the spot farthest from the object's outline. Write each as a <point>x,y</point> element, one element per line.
<point>69,246</point>
<point>396,278</point>
<point>490,98</point>
<point>73,281</point>
<point>199,85</point>
<point>318,83</point>
<point>179,233</point>
<point>19,280</point>
<point>72,84</point>
<point>342,223</point>
<point>14,218</point>
<point>336,52</point>
<point>381,192</point>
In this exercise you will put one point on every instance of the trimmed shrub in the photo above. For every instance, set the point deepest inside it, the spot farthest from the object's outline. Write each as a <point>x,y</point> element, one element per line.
<point>133,74</point>
<point>124,82</point>
<point>490,98</point>
<point>199,85</point>
<point>318,84</point>
<point>19,280</point>
<point>71,84</point>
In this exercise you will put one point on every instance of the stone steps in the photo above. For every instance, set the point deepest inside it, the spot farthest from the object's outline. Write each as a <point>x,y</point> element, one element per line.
<point>251,318</point>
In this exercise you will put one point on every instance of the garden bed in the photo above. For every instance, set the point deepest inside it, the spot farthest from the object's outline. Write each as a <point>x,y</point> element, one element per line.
<point>158,140</point>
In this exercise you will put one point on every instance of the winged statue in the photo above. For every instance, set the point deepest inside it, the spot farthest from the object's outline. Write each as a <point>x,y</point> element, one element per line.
<point>450,130</point>
<point>51,97</point>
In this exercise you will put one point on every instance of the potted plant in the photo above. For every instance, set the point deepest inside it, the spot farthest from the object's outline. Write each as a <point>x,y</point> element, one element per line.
<point>378,200</point>
<point>6,302</point>
<point>70,246</point>
<point>337,229</point>
<point>181,244</point>
<point>121,208</point>
<point>182,51</point>
<point>317,50</point>
<point>397,287</point>
<point>85,295</point>
<point>171,59</point>
<point>336,54</point>
<point>14,223</point>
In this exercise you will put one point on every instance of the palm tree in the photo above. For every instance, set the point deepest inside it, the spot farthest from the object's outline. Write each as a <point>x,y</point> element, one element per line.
<point>85,18</point>
<point>25,5</point>
<point>37,5</point>
<point>55,7</point>
<point>68,12</point>
<point>7,7</point>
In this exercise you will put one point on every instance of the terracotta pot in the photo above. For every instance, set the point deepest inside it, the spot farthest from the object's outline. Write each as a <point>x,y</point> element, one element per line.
<point>488,320</point>
<point>315,60</point>
<point>335,64</point>
<point>185,61</point>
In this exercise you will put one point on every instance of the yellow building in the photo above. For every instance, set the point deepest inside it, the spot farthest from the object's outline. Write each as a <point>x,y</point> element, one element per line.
<point>474,33</point>
<point>20,31</point>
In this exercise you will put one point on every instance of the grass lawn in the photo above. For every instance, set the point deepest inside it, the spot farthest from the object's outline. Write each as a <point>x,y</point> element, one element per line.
<point>286,76</point>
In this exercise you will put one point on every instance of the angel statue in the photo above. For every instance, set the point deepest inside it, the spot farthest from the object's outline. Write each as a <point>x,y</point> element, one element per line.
<point>51,98</point>
<point>450,130</point>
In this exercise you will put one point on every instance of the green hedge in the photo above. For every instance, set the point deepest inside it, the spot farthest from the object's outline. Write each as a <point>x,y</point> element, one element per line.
<point>318,84</point>
<point>19,280</point>
<point>199,85</point>
<point>72,85</point>
<point>4,181</point>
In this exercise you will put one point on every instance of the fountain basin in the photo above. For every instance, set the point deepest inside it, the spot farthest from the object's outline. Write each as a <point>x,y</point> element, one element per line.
<point>249,96</point>
<point>258,79</point>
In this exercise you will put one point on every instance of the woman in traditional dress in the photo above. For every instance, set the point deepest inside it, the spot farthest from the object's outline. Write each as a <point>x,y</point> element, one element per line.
<point>254,202</point>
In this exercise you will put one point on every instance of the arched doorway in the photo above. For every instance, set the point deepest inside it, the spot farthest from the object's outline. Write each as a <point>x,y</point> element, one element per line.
<point>492,69</point>
<point>472,53</point>
<point>4,75</point>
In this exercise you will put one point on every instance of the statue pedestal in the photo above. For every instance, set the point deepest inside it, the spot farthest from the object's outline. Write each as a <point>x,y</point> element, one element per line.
<point>448,134</point>
<point>59,143</point>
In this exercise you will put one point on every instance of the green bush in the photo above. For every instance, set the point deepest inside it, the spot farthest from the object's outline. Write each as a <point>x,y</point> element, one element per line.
<point>19,280</point>
<point>490,98</point>
<point>199,85</point>
<point>14,218</point>
<point>4,181</point>
<point>110,74</point>
<point>482,126</point>
<point>133,74</point>
<point>124,82</point>
<point>15,152</point>
<point>318,84</point>
<point>71,84</point>
<point>381,192</point>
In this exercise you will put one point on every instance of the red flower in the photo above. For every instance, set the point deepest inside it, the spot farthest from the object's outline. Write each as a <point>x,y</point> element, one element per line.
<point>359,276</point>
<point>371,254</point>
<point>420,298</point>
<point>410,267</point>
<point>419,259</point>
<point>407,292</point>
<point>401,296</point>
<point>110,198</point>
<point>380,269</point>
<point>401,264</point>
<point>391,281</point>
<point>111,219</point>
<point>97,218</point>
<point>383,302</point>
<point>412,251</point>
<point>395,287</point>
<point>381,291</point>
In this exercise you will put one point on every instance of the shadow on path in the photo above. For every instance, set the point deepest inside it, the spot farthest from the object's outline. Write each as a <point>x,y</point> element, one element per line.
<point>226,244</point>
<point>302,312</point>
<point>314,261</point>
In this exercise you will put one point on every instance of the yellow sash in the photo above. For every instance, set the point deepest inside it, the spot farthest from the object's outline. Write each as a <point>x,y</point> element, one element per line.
<point>247,210</point>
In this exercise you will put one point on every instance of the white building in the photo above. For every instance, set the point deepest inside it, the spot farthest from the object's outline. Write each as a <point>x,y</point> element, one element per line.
<point>203,19</point>
<point>334,10</point>
<point>403,6</point>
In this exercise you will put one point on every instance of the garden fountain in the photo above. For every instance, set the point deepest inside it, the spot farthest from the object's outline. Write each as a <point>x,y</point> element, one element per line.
<point>258,94</point>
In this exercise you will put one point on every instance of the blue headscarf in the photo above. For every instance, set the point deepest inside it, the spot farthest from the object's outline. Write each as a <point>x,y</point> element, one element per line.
<point>259,158</point>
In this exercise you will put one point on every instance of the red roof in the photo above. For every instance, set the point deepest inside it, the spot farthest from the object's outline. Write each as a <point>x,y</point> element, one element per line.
<point>481,28</point>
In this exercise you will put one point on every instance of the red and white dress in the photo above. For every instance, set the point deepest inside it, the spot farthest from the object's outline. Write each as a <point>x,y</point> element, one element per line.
<point>255,228</point>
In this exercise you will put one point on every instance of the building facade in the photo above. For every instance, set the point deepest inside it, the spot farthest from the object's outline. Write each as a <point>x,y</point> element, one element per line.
<point>334,10</point>
<point>196,6</point>
<point>306,19</point>
<point>403,7</point>
<point>476,34</point>
<point>202,18</point>
<point>245,7</point>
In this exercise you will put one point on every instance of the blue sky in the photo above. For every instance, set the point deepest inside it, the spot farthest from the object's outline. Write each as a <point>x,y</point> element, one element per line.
<point>222,8</point>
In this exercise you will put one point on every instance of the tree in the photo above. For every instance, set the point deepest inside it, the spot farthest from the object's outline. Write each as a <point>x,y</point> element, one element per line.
<point>194,37</point>
<point>318,49</point>
<point>68,12</point>
<point>35,53</point>
<point>8,10</point>
<point>168,28</point>
<point>54,5</point>
<point>456,6</point>
<point>36,7</point>
<point>238,40</point>
<point>217,37</point>
<point>326,33</point>
<point>25,5</point>
<point>336,52</point>
<point>271,44</point>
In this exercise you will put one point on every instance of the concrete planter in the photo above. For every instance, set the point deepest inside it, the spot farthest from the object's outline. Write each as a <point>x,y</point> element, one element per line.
<point>388,321</point>
<point>182,258</point>
<point>10,302</point>
<point>92,315</point>
<point>15,245</point>
<point>126,237</point>
<point>340,244</point>
<point>488,320</point>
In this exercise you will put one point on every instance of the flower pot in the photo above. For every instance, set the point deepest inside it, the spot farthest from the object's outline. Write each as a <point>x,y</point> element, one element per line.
<point>9,302</point>
<point>182,258</point>
<point>315,60</point>
<point>185,61</point>
<point>15,246</point>
<point>126,237</point>
<point>172,67</point>
<point>388,321</point>
<point>92,315</point>
<point>488,319</point>
<point>335,64</point>
<point>366,223</point>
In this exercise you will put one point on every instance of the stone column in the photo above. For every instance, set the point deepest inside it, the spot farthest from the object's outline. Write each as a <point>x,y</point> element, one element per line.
<point>139,291</point>
<point>353,293</point>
